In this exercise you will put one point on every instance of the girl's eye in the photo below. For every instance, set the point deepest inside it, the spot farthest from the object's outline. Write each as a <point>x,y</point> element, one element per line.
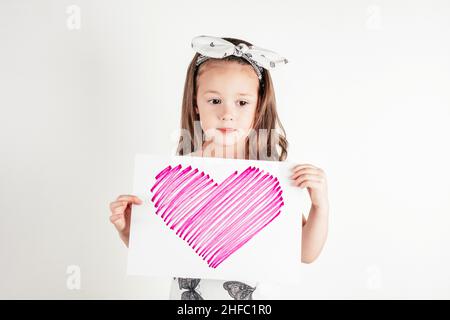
<point>214,101</point>
<point>242,103</point>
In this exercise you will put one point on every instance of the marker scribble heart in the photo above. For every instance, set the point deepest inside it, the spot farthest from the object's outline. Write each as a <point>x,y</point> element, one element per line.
<point>216,219</point>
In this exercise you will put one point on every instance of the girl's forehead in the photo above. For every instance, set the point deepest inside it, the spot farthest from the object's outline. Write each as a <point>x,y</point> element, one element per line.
<point>226,73</point>
<point>218,66</point>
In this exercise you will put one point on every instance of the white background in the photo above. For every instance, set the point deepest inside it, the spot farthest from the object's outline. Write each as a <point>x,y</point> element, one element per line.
<point>365,96</point>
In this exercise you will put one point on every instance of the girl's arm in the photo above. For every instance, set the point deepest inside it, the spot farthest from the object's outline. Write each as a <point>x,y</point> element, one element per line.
<point>315,229</point>
<point>314,233</point>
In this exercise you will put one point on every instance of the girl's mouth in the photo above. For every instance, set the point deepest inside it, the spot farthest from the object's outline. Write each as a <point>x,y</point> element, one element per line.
<point>226,130</point>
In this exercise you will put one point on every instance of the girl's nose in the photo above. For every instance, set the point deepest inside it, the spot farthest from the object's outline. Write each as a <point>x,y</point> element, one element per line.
<point>227,112</point>
<point>227,117</point>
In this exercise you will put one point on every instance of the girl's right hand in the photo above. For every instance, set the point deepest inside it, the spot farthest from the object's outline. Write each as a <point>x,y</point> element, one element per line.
<point>121,215</point>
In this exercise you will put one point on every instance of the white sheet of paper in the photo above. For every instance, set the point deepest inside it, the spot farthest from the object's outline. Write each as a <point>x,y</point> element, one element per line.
<point>273,254</point>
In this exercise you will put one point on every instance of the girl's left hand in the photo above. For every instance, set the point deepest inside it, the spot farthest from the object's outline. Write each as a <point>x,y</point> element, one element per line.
<point>307,175</point>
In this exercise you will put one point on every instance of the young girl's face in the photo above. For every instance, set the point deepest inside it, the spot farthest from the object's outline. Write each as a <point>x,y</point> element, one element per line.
<point>227,97</point>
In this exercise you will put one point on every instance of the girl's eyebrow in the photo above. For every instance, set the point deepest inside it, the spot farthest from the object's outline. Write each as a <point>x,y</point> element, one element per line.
<point>211,91</point>
<point>246,94</point>
<point>239,94</point>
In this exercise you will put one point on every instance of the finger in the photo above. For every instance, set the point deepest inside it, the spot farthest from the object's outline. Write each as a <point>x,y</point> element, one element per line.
<point>301,166</point>
<point>310,184</point>
<point>129,198</point>
<point>119,222</point>
<point>117,204</point>
<point>302,179</point>
<point>312,177</point>
<point>118,210</point>
<point>302,171</point>
<point>116,217</point>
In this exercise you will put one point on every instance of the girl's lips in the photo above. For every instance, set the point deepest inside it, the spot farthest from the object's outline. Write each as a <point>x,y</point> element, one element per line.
<point>226,130</point>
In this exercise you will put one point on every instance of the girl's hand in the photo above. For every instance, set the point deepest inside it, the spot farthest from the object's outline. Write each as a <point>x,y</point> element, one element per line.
<point>307,175</point>
<point>121,215</point>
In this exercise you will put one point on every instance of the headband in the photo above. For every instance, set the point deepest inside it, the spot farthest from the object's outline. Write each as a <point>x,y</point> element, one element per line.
<point>218,48</point>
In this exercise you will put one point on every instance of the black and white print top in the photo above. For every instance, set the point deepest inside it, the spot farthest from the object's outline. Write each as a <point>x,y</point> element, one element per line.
<point>206,289</point>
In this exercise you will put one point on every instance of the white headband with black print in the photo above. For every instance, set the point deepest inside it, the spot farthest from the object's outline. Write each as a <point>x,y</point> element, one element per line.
<point>213,47</point>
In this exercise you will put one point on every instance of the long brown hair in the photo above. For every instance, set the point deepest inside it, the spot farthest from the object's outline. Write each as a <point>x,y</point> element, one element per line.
<point>266,116</point>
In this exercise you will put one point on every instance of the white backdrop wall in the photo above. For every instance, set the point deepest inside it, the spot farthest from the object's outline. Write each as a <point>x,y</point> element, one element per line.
<point>84,85</point>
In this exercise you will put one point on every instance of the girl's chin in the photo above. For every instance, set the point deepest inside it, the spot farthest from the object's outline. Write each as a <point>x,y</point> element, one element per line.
<point>227,140</point>
<point>224,143</point>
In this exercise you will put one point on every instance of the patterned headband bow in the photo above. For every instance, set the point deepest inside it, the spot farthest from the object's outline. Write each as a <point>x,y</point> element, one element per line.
<point>218,48</point>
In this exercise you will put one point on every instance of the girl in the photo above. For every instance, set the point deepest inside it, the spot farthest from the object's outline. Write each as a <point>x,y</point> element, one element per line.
<point>229,111</point>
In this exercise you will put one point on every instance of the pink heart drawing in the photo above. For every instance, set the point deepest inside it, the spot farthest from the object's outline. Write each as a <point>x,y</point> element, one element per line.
<point>216,219</point>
